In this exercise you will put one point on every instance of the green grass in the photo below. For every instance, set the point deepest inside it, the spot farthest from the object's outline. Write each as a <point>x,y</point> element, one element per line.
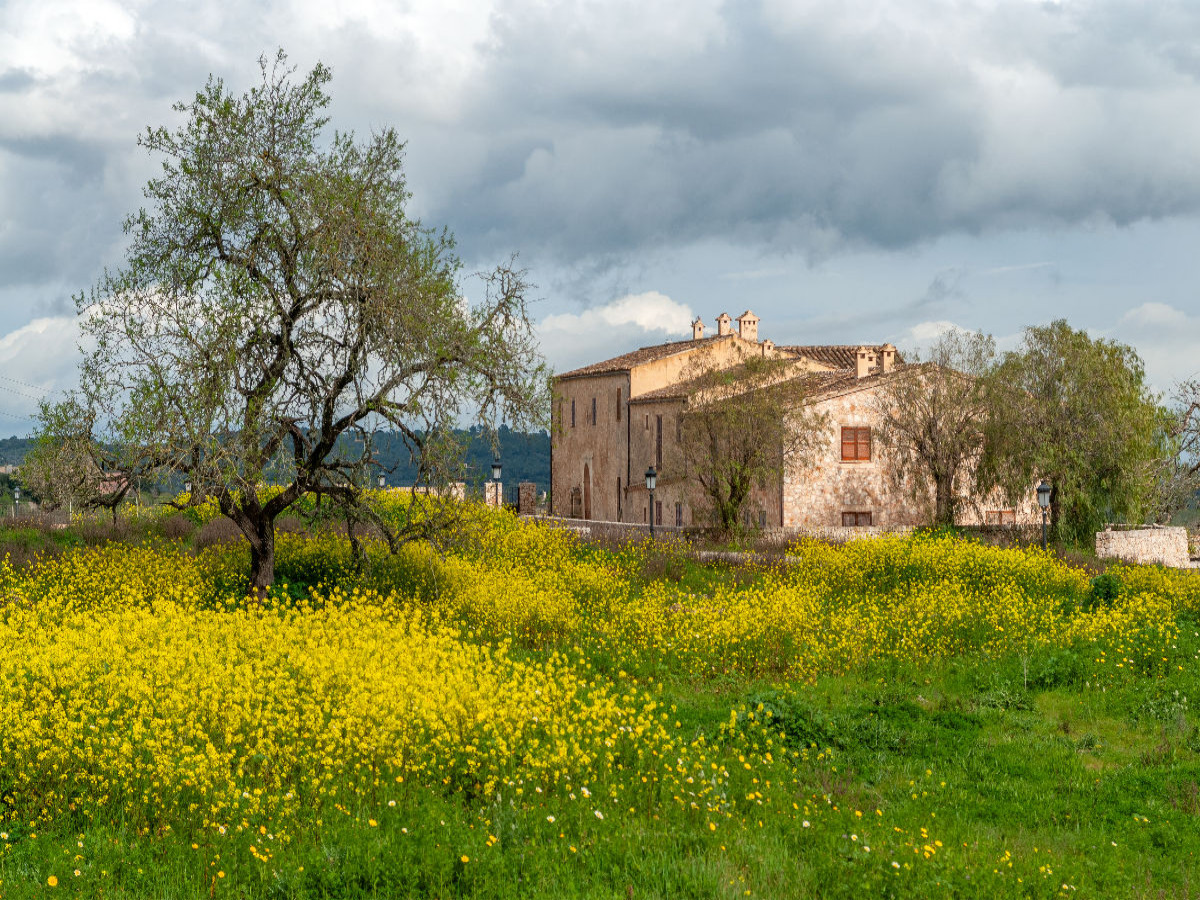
<point>1101,787</point>
<point>966,777</point>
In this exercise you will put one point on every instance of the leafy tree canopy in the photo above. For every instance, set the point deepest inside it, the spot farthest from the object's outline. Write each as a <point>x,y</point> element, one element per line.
<point>277,299</point>
<point>1075,411</point>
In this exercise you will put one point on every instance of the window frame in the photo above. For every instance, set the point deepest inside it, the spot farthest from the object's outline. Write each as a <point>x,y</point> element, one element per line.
<point>859,438</point>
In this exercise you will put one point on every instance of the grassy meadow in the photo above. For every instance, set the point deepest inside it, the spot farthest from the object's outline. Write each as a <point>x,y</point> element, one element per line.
<point>523,714</point>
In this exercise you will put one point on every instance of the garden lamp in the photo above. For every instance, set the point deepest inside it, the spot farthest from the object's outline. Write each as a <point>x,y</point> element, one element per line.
<point>1043,498</point>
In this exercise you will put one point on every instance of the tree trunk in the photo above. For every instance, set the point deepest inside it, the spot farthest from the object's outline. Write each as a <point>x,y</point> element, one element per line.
<point>262,558</point>
<point>944,501</point>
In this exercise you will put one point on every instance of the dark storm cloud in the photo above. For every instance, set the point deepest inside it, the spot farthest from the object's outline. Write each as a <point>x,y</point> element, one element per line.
<point>815,135</point>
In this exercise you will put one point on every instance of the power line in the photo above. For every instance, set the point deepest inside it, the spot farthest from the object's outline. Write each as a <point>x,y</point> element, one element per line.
<point>4,387</point>
<point>26,384</point>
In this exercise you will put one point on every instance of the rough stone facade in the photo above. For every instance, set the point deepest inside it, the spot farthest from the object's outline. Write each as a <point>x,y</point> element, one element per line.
<point>614,419</point>
<point>526,498</point>
<point>1165,546</point>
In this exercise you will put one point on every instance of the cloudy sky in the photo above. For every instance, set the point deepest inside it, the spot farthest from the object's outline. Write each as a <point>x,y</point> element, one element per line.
<point>852,171</point>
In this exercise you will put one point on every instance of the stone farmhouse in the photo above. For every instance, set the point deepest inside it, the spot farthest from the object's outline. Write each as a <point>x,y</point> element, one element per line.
<point>613,419</point>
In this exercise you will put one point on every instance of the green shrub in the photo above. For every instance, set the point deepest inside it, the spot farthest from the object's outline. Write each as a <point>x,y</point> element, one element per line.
<point>1104,590</point>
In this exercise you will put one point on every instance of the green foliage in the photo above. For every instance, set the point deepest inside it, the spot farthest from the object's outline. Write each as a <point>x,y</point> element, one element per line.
<point>1105,588</point>
<point>279,306</point>
<point>1077,412</point>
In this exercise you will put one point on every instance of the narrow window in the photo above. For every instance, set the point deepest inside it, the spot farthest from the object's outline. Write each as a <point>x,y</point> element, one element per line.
<point>658,443</point>
<point>643,515</point>
<point>618,498</point>
<point>647,421</point>
<point>619,404</point>
<point>678,515</point>
<point>572,412</point>
<point>657,512</point>
<point>593,410</point>
<point>762,518</point>
<point>856,444</point>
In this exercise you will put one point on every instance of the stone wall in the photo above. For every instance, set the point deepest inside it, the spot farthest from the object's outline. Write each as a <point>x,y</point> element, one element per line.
<point>816,495</point>
<point>1165,546</point>
<point>590,455</point>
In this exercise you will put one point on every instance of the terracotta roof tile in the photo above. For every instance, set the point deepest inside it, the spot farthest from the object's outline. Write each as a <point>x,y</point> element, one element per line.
<point>638,357</point>
<point>838,356</point>
<point>819,384</point>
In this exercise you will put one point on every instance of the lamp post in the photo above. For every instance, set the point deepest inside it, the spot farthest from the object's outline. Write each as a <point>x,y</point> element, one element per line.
<point>651,482</point>
<point>1043,498</point>
<point>382,482</point>
<point>16,500</point>
<point>496,470</point>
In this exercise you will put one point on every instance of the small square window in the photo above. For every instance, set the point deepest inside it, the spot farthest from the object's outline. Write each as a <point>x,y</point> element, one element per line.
<point>856,444</point>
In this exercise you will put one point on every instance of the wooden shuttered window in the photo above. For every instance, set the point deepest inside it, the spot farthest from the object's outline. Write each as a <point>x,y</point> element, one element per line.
<point>856,519</point>
<point>593,410</point>
<point>619,391</point>
<point>856,444</point>
<point>1000,517</point>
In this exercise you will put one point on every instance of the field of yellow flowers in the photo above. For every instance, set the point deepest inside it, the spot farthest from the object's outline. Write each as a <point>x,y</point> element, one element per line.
<point>521,714</point>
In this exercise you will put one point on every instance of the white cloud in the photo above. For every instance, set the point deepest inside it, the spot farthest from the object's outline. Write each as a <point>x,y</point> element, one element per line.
<point>570,340</point>
<point>650,311</point>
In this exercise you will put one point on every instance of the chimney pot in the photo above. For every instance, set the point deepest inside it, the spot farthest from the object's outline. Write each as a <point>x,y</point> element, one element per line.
<point>698,329</point>
<point>887,357</point>
<point>864,362</point>
<point>723,328</point>
<point>748,326</point>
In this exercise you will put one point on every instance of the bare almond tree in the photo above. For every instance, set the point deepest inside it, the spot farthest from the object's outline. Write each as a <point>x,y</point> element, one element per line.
<point>278,306</point>
<point>742,427</point>
<point>933,414</point>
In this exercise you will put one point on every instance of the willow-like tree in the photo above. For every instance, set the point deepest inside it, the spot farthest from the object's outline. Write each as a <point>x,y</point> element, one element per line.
<point>278,305</point>
<point>1077,412</point>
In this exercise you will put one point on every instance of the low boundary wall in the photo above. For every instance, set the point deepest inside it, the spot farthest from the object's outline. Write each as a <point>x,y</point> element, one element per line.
<point>1167,546</point>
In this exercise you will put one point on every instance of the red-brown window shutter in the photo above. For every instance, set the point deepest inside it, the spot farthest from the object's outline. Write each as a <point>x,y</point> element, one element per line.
<point>856,444</point>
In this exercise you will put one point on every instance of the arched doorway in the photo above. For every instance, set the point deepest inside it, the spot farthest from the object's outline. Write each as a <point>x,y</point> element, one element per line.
<point>587,492</point>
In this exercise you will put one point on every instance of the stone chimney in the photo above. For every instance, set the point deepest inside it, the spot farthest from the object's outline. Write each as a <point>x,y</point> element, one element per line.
<point>698,329</point>
<point>723,328</point>
<point>887,357</point>
<point>865,361</point>
<point>748,326</point>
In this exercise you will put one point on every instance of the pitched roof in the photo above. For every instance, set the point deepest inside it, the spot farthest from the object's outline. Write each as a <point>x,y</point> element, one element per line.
<point>818,385</point>
<point>837,356</point>
<point>627,361</point>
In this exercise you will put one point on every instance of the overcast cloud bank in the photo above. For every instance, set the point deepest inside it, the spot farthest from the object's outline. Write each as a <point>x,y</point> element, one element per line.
<point>992,164</point>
